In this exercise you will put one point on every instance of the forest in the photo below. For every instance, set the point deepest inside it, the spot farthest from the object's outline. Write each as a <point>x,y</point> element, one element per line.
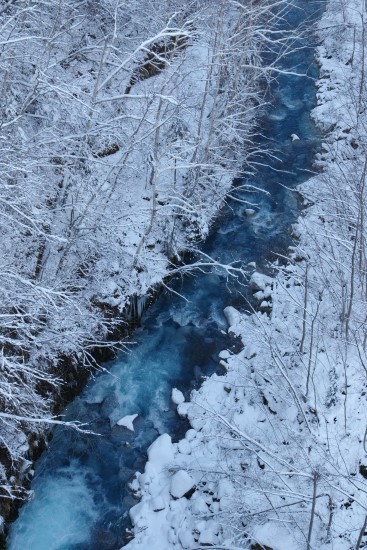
<point>124,126</point>
<point>121,133</point>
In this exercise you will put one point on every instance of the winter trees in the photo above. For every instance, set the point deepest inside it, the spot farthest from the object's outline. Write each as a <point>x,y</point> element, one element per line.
<point>122,126</point>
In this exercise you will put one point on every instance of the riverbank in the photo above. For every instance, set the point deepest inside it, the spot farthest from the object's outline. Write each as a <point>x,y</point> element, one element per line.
<point>276,456</point>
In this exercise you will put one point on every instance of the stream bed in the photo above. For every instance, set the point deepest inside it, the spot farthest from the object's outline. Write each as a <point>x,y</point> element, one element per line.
<point>81,496</point>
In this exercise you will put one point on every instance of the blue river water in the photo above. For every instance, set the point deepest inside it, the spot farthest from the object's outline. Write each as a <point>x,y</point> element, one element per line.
<point>81,482</point>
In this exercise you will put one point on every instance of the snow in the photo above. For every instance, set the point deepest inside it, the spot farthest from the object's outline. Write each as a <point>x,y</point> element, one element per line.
<point>231,315</point>
<point>127,421</point>
<point>186,539</point>
<point>184,447</point>
<point>177,396</point>
<point>183,408</point>
<point>274,536</point>
<point>259,281</point>
<point>208,538</point>
<point>158,504</point>
<point>191,434</point>
<point>138,517</point>
<point>161,450</point>
<point>181,483</point>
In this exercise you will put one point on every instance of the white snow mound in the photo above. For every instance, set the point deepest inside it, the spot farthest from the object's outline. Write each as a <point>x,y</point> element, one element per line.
<point>127,421</point>
<point>232,315</point>
<point>177,396</point>
<point>161,450</point>
<point>181,483</point>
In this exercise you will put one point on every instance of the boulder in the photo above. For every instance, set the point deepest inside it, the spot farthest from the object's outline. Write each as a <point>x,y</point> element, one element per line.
<point>182,485</point>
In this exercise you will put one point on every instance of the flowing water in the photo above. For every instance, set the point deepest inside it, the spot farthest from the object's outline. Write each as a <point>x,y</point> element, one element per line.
<point>81,483</point>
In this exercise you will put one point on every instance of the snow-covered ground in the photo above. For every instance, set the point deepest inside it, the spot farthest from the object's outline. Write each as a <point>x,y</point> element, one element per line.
<point>276,456</point>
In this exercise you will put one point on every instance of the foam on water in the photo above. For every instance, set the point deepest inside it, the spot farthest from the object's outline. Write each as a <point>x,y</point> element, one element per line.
<point>66,525</point>
<point>278,115</point>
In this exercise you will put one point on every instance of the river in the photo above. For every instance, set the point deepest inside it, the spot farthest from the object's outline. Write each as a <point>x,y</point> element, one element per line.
<point>80,484</point>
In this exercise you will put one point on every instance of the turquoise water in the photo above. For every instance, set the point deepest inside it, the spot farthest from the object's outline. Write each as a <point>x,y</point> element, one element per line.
<point>81,495</point>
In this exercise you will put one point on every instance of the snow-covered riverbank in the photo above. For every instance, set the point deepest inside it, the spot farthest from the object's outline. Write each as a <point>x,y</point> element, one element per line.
<point>276,456</point>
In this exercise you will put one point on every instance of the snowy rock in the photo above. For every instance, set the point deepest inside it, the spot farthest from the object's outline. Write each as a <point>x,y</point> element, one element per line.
<point>150,473</point>
<point>181,484</point>
<point>199,506</point>
<point>186,539</point>
<point>134,485</point>
<point>190,434</point>
<point>224,364</point>
<point>232,315</point>
<point>259,295</point>
<point>144,480</point>
<point>200,526</point>
<point>250,352</point>
<point>137,514</point>
<point>151,470</point>
<point>264,535</point>
<point>267,292</point>
<point>127,421</point>
<point>225,488</point>
<point>215,506</point>
<point>157,504</point>
<point>259,281</point>
<point>22,442</point>
<point>177,396</point>
<point>172,537</point>
<point>161,450</point>
<point>208,538</point>
<point>184,447</point>
<point>183,409</point>
<point>250,212</point>
<point>294,137</point>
